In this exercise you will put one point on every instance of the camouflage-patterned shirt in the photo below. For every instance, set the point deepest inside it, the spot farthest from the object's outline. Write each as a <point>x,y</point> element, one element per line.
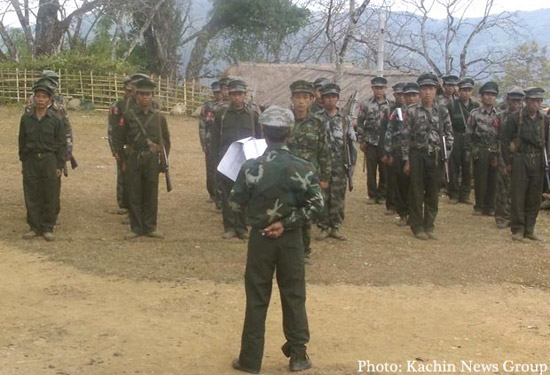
<point>459,114</point>
<point>337,127</point>
<point>309,141</point>
<point>424,129</point>
<point>206,122</point>
<point>315,108</point>
<point>446,100</point>
<point>372,121</point>
<point>482,129</point>
<point>277,186</point>
<point>394,131</point>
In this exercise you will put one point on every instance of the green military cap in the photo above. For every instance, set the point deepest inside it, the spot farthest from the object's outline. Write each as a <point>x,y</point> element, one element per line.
<point>139,76</point>
<point>515,93</point>
<point>301,86</point>
<point>126,80</point>
<point>427,79</point>
<point>379,82</point>
<point>215,86</point>
<point>44,84</point>
<point>411,87</point>
<point>277,117</point>
<point>224,81</point>
<point>450,80</point>
<point>398,87</point>
<point>466,83</point>
<point>330,88</point>
<point>50,74</point>
<point>319,82</point>
<point>237,85</point>
<point>534,93</point>
<point>489,87</point>
<point>145,85</point>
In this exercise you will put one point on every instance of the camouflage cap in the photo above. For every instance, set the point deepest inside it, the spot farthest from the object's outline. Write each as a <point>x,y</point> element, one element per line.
<point>398,87</point>
<point>466,83</point>
<point>330,88</point>
<point>301,86</point>
<point>534,93</point>
<point>277,117</point>
<point>319,82</point>
<point>139,76</point>
<point>379,82</point>
<point>427,79</point>
<point>237,85</point>
<point>515,93</point>
<point>145,85</point>
<point>44,84</point>
<point>410,88</point>
<point>224,81</point>
<point>489,87</point>
<point>215,86</point>
<point>450,80</point>
<point>50,74</point>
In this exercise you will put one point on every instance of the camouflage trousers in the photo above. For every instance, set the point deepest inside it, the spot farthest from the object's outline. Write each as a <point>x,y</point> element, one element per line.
<point>335,197</point>
<point>502,198</point>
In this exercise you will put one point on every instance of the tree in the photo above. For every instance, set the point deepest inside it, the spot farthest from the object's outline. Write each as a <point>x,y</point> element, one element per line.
<point>529,65</point>
<point>247,17</point>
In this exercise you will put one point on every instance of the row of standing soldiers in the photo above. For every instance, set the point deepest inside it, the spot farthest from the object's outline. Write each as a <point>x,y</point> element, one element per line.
<point>413,146</point>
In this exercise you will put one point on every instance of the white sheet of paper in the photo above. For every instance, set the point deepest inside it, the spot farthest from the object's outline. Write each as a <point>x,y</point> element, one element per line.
<point>239,152</point>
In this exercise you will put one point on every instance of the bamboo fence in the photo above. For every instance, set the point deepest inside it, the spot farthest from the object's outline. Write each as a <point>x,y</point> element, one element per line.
<point>101,90</point>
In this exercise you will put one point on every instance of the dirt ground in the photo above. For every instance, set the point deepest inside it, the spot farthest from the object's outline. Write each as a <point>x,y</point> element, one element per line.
<point>92,303</point>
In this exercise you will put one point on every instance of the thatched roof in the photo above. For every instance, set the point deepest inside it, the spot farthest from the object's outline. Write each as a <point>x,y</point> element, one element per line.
<point>269,83</point>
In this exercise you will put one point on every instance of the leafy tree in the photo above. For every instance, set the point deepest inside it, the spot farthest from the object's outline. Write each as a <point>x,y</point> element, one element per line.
<point>529,66</point>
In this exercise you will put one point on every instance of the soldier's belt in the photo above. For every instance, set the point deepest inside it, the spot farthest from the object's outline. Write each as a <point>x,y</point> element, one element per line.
<point>41,155</point>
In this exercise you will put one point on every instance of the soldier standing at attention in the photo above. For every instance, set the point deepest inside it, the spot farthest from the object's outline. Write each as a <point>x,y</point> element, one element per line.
<point>526,133</point>
<point>236,121</point>
<point>317,105</point>
<point>308,140</point>
<point>341,138</point>
<point>116,113</point>
<point>144,132</point>
<point>450,83</point>
<point>393,145</point>
<point>514,101</point>
<point>280,193</point>
<point>371,125</point>
<point>206,120</point>
<point>482,140</point>
<point>42,151</point>
<point>426,123</point>
<point>459,162</point>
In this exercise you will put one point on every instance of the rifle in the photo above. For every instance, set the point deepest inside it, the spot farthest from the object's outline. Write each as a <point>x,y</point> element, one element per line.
<point>446,159</point>
<point>350,153</point>
<point>163,158</point>
<point>546,165</point>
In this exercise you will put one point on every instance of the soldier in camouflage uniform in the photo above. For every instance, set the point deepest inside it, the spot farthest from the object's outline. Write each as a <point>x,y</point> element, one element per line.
<point>393,147</point>
<point>371,128</point>
<point>317,105</point>
<point>391,176</point>
<point>459,162</point>
<point>206,122</point>
<point>526,133</point>
<point>280,193</point>
<point>482,141</point>
<point>514,101</point>
<point>341,137</point>
<point>116,113</point>
<point>308,140</point>
<point>49,77</point>
<point>450,83</point>
<point>236,121</point>
<point>42,151</point>
<point>425,125</point>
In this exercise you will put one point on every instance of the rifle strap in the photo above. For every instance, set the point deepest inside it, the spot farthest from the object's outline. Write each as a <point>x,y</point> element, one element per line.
<point>142,127</point>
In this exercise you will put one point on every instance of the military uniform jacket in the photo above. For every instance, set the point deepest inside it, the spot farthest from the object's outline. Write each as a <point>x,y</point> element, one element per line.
<point>340,131</point>
<point>308,140</point>
<point>129,131</point>
<point>206,122</point>
<point>482,129</point>
<point>529,137</point>
<point>277,186</point>
<point>41,136</point>
<point>446,100</point>
<point>116,113</point>
<point>459,114</point>
<point>372,121</point>
<point>315,108</point>
<point>233,124</point>
<point>424,129</point>
<point>394,132</point>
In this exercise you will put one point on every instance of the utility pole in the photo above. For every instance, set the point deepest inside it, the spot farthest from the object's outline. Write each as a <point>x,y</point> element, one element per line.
<point>381,42</point>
